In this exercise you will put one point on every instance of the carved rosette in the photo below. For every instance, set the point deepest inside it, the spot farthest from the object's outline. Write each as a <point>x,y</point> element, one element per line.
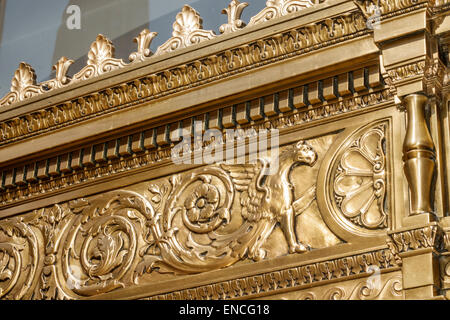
<point>189,210</point>
<point>279,8</point>
<point>360,183</point>
<point>187,31</point>
<point>352,184</point>
<point>100,60</point>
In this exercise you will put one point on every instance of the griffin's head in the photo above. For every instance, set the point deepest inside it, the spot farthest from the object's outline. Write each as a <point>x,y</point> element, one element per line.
<point>304,153</point>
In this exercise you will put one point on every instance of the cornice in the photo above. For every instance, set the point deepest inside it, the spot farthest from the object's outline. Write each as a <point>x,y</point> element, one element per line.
<point>209,69</point>
<point>189,23</point>
<point>149,147</point>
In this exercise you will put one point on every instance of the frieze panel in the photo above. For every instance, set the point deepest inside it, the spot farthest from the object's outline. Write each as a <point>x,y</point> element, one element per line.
<point>201,220</point>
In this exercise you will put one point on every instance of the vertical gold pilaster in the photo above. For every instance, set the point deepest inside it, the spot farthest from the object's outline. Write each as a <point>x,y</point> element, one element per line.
<point>418,155</point>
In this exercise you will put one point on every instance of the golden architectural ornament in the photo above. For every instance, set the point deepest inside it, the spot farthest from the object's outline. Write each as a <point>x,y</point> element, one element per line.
<point>38,187</point>
<point>61,78</point>
<point>23,85</point>
<point>360,183</point>
<point>93,205</point>
<point>278,8</point>
<point>418,155</point>
<point>269,284</point>
<point>187,31</point>
<point>144,40</point>
<point>100,60</point>
<point>427,237</point>
<point>234,12</point>
<point>389,289</point>
<point>199,72</point>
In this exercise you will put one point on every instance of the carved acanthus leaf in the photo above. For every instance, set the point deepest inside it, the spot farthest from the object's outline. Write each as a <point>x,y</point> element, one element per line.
<point>426,237</point>
<point>19,255</point>
<point>187,31</point>
<point>399,74</point>
<point>279,8</point>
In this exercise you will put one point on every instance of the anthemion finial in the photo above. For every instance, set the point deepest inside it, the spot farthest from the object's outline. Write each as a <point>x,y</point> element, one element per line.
<point>234,12</point>
<point>144,40</point>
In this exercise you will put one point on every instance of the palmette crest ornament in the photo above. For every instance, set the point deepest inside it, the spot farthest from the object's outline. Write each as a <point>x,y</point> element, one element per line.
<point>100,59</point>
<point>23,85</point>
<point>187,31</point>
<point>279,8</point>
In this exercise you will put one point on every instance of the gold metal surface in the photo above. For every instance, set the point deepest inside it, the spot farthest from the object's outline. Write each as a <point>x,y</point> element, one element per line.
<point>418,152</point>
<point>92,205</point>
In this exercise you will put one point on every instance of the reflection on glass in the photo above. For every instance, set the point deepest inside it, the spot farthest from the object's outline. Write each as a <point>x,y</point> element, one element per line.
<point>40,32</point>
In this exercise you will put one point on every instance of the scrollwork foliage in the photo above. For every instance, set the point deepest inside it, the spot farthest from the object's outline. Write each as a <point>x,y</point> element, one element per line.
<point>19,258</point>
<point>86,247</point>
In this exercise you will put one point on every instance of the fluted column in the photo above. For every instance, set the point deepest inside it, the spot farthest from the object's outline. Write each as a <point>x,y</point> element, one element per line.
<point>418,155</point>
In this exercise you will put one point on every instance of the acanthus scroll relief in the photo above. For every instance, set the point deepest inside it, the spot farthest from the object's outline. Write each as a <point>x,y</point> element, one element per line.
<point>201,220</point>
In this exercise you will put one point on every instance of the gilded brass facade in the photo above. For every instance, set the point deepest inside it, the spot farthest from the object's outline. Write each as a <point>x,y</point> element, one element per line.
<point>92,205</point>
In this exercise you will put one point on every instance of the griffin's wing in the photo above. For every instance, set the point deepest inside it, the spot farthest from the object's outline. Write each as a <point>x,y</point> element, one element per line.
<point>249,179</point>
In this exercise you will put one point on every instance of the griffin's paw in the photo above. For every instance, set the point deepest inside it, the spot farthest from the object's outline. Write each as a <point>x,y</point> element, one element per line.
<point>259,255</point>
<point>298,248</point>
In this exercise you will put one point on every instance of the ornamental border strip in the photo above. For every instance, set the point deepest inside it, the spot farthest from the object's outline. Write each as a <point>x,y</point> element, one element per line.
<point>285,279</point>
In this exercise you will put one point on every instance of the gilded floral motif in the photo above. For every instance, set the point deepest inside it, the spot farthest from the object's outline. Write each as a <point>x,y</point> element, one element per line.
<point>360,183</point>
